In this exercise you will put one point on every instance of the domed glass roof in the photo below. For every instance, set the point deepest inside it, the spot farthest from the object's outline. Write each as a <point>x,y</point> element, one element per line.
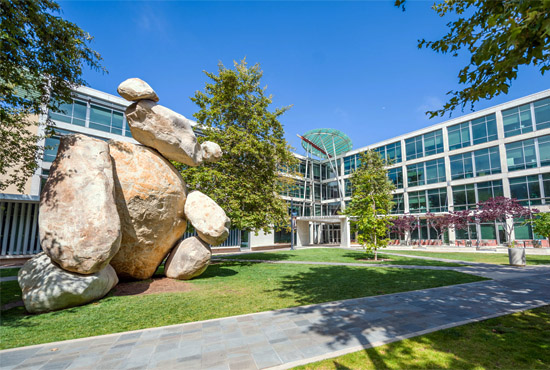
<point>326,142</point>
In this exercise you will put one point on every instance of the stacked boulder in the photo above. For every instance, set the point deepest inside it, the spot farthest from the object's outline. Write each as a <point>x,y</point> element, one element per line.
<point>118,209</point>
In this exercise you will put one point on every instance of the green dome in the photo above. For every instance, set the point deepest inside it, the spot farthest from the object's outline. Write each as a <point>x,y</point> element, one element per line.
<point>329,140</point>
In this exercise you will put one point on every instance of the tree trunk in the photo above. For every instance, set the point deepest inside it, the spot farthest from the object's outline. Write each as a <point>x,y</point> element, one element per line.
<point>375,253</point>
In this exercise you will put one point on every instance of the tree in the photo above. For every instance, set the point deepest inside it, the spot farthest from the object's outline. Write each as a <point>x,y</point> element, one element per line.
<point>500,36</point>
<point>440,223</point>
<point>371,202</point>
<point>246,181</point>
<point>503,210</point>
<point>404,226</point>
<point>541,225</point>
<point>41,61</point>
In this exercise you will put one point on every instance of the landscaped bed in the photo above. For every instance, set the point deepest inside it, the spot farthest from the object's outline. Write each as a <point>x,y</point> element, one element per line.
<point>518,341</point>
<point>501,259</point>
<point>225,289</point>
<point>337,255</point>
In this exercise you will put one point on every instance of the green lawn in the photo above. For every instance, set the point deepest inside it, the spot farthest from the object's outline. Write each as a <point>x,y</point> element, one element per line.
<point>9,272</point>
<point>501,259</point>
<point>518,341</point>
<point>336,255</point>
<point>225,289</point>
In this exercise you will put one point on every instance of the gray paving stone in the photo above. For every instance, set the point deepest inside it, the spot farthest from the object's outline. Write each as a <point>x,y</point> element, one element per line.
<point>266,359</point>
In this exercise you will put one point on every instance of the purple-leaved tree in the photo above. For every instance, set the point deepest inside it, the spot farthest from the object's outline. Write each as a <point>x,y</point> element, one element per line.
<point>501,209</point>
<point>404,226</point>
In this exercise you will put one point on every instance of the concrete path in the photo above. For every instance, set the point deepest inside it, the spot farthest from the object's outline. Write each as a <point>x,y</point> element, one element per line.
<point>289,337</point>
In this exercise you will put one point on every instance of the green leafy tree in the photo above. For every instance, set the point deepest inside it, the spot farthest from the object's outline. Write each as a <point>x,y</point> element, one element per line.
<point>234,113</point>
<point>371,202</point>
<point>541,225</point>
<point>41,61</point>
<point>500,36</point>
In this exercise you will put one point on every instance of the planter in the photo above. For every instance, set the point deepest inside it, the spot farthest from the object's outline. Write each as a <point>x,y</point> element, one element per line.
<point>516,256</point>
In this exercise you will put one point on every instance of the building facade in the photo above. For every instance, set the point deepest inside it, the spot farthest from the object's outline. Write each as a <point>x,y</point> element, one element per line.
<point>502,150</point>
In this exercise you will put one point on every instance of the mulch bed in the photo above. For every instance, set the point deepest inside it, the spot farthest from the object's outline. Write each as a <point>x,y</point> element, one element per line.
<point>152,286</point>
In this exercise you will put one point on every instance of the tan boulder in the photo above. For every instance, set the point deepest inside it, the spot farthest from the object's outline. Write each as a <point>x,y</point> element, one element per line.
<point>208,218</point>
<point>164,130</point>
<point>79,225</point>
<point>136,89</point>
<point>47,287</point>
<point>150,197</point>
<point>188,259</point>
<point>211,152</point>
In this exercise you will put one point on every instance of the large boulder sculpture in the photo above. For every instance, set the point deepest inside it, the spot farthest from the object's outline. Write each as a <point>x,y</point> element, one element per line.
<point>47,287</point>
<point>165,130</point>
<point>78,222</point>
<point>188,259</point>
<point>120,208</point>
<point>150,197</point>
<point>207,217</point>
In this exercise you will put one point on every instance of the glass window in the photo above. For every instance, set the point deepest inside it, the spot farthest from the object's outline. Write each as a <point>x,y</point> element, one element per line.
<point>544,150</point>
<point>316,171</point>
<point>317,191</point>
<point>464,197</point>
<point>437,200</point>
<point>484,129</point>
<point>74,113</point>
<point>487,161</point>
<point>521,155</point>
<point>393,152</point>
<point>542,113</point>
<point>546,186</point>
<point>459,136</point>
<point>349,164</point>
<point>526,190</point>
<point>415,175</point>
<point>489,189</point>
<point>433,143</point>
<point>517,120</point>
<point>461,166</point>
<point>435,171</point>
<point>396,176</point>
<point>488,231</point>
<point>398,204</point>
<point>414,147</point>
<point>347,185</point>
<point>417,201</point>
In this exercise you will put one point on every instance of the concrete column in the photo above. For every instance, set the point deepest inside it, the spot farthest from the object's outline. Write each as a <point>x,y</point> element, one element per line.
<point>302,233</point>
<point>345,239</point>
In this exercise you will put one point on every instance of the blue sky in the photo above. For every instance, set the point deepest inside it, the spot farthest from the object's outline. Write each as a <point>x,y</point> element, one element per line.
<point>349,65</point>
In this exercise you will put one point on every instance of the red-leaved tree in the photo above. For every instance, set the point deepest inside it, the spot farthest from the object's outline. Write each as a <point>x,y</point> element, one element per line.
<point>404,226</point>
<point>501,209</point>
<point>440,223</point>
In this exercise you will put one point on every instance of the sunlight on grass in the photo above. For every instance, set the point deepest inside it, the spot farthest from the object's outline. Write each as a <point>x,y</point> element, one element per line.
<point>336,255</point>
<point>500,259</point>
<point>225,289</point>
<point>518,341</point>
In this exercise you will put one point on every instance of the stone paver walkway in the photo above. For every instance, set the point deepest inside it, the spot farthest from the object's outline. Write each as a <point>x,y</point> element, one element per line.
<point>289,337</point>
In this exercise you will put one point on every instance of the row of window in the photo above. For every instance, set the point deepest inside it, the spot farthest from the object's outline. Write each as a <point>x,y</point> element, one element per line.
<point>485,231</point>
<point>528,190</point>
<point>93,115</point>
<point>519,155</point>
<point>516,121</point>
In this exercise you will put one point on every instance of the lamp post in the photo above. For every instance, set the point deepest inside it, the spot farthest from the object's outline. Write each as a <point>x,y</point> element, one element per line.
<point>292,224</point>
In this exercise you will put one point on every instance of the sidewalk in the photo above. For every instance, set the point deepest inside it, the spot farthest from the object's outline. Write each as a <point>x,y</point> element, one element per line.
<point>289,337</point>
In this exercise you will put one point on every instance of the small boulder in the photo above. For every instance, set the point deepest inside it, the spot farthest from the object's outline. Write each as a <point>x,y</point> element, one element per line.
<point>47,287</point>
<point>211,152</point>
<point>150,197</point>
<point>134,89</point>
<point>164,130</point>
<point>188,259</point>
<point>79,225</point>
<point>208,218</point>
